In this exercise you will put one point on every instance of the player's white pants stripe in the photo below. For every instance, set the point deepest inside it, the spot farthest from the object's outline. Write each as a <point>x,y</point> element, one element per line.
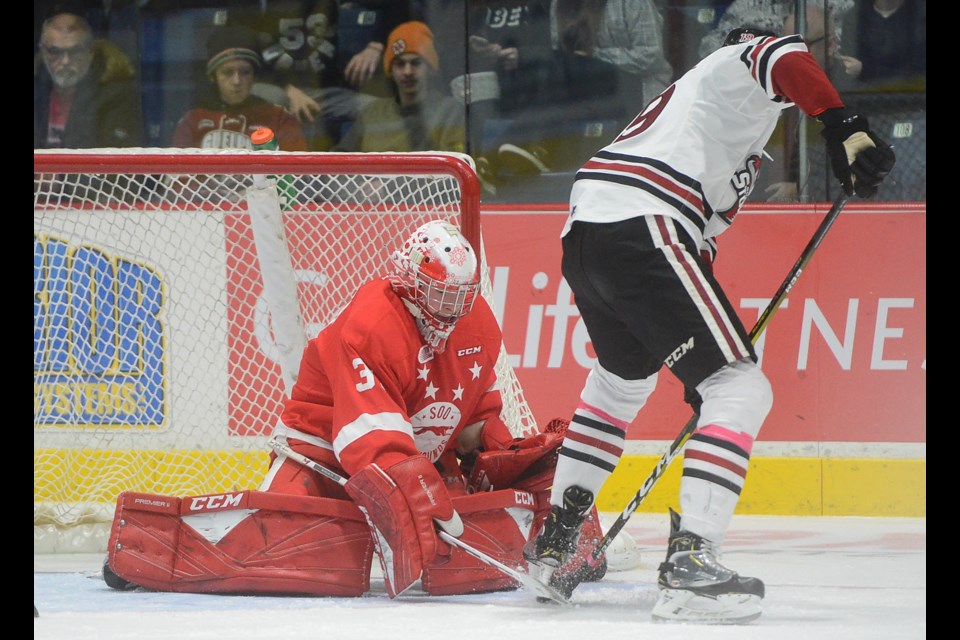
<point>664,232</point>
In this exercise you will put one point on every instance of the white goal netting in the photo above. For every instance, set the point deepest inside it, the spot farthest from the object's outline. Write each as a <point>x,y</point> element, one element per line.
<point>169,308</point>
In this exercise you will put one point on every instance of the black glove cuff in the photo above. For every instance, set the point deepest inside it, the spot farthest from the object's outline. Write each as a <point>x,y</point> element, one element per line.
<point>840,124</point>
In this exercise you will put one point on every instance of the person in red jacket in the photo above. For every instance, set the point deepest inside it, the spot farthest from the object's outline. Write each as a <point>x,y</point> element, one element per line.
<point>228,118</point>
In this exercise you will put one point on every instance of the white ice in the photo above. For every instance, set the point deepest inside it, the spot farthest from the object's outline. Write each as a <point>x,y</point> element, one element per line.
<point>843,578</point>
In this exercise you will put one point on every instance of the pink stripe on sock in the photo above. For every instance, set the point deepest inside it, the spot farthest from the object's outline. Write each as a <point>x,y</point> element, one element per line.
<point>619,424</point>
<point>741,439</point>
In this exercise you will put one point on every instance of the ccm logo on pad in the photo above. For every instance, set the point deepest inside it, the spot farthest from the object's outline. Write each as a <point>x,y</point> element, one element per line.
<point>524,497</point>
<point>468,351</point>
<point>203,503</point>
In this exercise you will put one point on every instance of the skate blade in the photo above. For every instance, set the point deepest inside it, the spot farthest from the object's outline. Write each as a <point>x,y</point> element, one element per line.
<point>543,574</point>
<point>679,605</point>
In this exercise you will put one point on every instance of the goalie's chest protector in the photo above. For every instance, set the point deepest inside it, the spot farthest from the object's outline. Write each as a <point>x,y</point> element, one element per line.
<point>448,387</point>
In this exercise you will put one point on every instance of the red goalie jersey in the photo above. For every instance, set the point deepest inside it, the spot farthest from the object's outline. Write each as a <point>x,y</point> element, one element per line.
<point>370,391</point>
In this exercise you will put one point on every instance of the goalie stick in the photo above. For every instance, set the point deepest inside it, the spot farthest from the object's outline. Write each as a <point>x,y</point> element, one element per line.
<point>542,590</point>
<point>570,582</point>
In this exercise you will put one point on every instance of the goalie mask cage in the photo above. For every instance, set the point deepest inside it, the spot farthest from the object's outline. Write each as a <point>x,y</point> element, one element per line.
<point>174,290</point>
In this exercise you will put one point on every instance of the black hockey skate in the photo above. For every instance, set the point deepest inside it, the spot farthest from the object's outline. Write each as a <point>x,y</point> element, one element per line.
<point>695,587</point>
<point>561,531</point>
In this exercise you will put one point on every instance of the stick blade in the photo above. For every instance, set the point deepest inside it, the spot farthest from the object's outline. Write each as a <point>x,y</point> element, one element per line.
<point>543,591</point>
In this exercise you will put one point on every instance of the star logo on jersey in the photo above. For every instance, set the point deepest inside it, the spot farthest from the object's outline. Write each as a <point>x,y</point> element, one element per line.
<point>475,370</point>
<point>423,372</point>
<point>431,391</point>
<point>458,392</point>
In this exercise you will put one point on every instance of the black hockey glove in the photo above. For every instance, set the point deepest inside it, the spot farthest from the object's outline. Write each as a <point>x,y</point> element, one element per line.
<point>859,158</point>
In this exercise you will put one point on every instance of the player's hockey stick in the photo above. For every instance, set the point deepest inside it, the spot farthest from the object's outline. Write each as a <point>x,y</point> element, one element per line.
<point>568,583</point>
<point>542,590</point>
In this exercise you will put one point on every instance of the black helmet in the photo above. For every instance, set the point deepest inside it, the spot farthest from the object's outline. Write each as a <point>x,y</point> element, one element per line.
<point>746,34</point>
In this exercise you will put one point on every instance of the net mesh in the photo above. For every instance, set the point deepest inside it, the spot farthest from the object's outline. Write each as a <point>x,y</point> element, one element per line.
<point>156,363</point>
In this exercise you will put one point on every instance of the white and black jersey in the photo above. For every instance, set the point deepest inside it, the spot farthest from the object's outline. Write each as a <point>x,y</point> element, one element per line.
<point>693,153</point>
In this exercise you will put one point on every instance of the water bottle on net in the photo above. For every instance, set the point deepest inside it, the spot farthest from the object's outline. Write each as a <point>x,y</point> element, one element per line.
<point>263,139</point>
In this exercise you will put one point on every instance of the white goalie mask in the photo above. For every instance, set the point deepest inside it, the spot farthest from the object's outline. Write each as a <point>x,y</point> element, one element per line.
<point>436,272</point>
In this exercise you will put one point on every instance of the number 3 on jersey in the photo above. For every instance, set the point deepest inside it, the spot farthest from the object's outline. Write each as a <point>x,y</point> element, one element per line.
<point>366,378</point>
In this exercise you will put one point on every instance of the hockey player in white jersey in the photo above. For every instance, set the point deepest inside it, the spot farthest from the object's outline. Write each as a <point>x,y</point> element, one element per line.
<point>638,246</point>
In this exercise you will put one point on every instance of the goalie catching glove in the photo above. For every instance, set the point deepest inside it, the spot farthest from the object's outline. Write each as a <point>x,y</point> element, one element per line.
<point>403,503</point>
<point>860,159</point>
<point>521,463</point>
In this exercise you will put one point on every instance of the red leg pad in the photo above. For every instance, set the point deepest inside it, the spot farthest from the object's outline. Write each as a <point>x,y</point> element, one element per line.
<point>497,523</point>
<point>243,542</point>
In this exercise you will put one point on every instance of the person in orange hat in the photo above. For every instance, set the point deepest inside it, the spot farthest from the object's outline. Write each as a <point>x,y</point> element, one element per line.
<point>418,117</point>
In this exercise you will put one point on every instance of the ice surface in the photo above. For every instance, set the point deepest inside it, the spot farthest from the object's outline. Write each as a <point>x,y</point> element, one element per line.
<point>844,578</point>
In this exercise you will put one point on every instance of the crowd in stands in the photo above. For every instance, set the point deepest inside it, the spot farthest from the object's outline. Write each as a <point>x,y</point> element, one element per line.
<point>528,88</point>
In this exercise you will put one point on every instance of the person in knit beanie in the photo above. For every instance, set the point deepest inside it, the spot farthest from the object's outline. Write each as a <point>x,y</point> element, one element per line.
<point>227,118</point>
<point>232,43</point>
<point>412,37</point>
<point>418,117</point>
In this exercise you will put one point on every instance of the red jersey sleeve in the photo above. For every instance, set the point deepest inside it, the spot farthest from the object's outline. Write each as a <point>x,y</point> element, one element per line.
<point>348,391</point>
<point>798,77</point>
<point>371,423</point>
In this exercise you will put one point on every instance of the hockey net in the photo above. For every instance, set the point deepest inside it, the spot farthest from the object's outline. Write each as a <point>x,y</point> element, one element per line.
<point>172,300</point>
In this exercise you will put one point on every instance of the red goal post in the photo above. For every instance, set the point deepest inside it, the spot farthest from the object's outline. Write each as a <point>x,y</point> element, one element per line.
<point>173,292</point>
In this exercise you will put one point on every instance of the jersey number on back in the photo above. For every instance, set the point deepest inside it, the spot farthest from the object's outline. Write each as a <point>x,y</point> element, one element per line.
<point>648,116</point>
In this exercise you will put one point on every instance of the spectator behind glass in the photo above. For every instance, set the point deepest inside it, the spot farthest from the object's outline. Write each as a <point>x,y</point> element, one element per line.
<point>629,35</point>
<point>547,100</point>
<point>508,57</point>
<point>321,58</point>
<point>417,117</point>
<point>512,38</point>
<point>362,30</point>
<point>779,179</point>
<point>85,94</point>
<point>579,101</point>
<point>227,118</point>
<point>767,15</point>
<point>884,45</point>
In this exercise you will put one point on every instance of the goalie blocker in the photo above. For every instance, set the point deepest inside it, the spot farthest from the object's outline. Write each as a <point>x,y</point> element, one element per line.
<point>275,543</point>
